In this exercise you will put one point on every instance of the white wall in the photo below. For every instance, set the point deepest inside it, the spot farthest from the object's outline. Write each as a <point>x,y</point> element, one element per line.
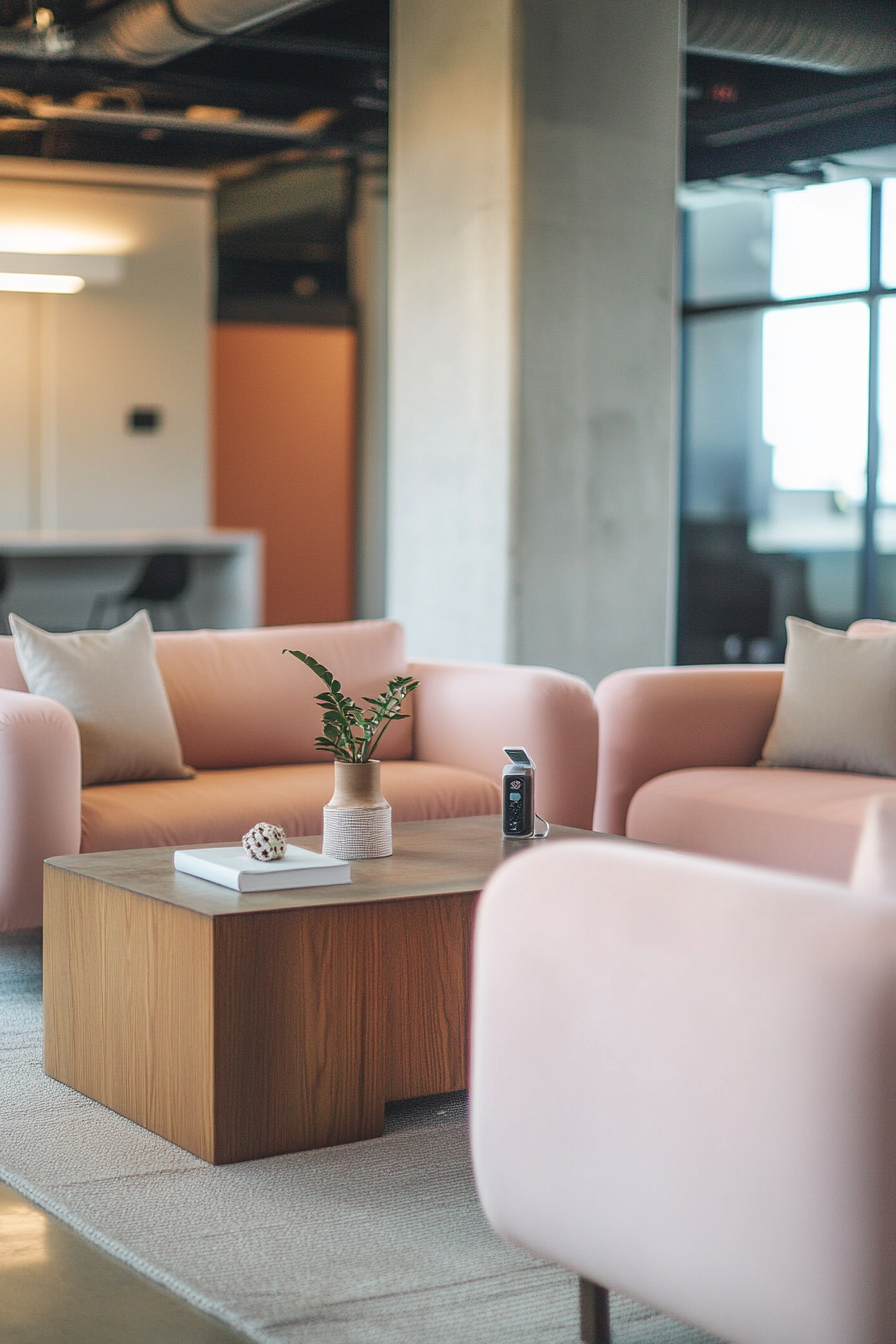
<point>71,366</point>
<point>18,428</point>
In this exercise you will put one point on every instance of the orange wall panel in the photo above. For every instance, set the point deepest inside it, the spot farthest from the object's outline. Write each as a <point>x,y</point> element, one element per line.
<point>284,407</point>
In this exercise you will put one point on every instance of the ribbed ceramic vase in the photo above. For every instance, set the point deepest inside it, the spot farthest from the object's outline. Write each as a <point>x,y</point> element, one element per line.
<point>357,819</point>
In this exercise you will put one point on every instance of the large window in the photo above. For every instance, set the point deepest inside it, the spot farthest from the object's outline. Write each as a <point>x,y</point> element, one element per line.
<point>788,489</point>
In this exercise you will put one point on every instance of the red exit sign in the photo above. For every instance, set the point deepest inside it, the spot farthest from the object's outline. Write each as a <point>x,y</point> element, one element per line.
<point>724,93</point>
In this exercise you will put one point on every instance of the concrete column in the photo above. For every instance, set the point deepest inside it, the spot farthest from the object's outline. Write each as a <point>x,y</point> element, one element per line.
<point>534,156</point>
<point>368,258</point>
<point>454,200</point>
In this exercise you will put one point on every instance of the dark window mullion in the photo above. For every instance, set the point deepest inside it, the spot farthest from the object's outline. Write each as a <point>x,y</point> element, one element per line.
<point>870,559</point>
<point>758,305</point>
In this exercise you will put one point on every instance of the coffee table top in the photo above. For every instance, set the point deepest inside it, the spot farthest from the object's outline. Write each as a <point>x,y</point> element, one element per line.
<point>431,858</point>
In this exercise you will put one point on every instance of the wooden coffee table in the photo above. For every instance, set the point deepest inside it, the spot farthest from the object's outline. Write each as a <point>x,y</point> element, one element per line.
<point>240,1026</point>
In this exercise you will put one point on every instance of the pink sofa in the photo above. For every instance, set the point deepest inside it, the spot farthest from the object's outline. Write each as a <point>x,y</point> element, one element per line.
<point>247,722</point>
<point>682,1087</point>
<point>677,766</point>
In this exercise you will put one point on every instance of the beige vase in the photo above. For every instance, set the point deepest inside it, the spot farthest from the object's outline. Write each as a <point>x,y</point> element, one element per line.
<point>357,819</point>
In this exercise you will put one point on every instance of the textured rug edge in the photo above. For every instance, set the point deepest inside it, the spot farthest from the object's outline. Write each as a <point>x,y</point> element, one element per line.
<point>59,1210</point>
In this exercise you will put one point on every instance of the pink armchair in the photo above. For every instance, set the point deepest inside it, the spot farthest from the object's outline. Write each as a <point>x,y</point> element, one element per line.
<point>684,1088</point>
<point>40,799</point>
<point>677,767</point>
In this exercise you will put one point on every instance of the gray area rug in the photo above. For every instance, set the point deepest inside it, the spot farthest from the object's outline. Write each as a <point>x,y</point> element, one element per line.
<point>380,1242</point>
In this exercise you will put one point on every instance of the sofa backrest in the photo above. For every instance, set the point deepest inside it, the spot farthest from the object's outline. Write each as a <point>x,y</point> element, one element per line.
<point>866,629</point>
<point>239,701</point>
<point>11,678</point>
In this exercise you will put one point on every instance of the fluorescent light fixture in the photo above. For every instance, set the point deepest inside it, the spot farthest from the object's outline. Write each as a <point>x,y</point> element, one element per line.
<point>21,282</point>
<point>36,273</point>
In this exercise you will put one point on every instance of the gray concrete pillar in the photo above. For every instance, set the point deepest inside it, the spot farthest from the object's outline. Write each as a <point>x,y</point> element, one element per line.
<point>533,162</point>
<point>368,264</point>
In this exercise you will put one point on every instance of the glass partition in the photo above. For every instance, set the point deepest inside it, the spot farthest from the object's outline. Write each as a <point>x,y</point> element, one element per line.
<point>788,398</point>
<point>728,247</point>
<point>821,240</point>
<point>885,519</point>
<point>888,234</point>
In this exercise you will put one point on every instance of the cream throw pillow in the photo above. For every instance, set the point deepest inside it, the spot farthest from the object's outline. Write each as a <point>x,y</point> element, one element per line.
<point>837,707</point>
<point>110,682</point>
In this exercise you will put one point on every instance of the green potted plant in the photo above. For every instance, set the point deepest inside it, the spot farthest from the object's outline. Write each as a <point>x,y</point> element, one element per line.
<point>357,819</point>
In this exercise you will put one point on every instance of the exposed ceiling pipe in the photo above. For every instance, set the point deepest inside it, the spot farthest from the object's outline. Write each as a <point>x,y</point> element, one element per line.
<point>829,35</point>
<point>303,130</point>
<point>149,32</point>
<point>825,35</point>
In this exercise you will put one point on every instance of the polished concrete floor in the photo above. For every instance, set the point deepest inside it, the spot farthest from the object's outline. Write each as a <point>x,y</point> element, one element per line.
<point>56,1288</point>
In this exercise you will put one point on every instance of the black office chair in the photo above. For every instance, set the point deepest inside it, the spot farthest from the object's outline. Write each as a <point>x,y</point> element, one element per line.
<point>162,583</point>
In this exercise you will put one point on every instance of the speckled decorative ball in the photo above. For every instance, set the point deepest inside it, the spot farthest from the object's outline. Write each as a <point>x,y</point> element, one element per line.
<point>265,842</point>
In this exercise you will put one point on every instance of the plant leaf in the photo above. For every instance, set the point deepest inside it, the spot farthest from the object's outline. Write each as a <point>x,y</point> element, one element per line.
<point>350,732</point>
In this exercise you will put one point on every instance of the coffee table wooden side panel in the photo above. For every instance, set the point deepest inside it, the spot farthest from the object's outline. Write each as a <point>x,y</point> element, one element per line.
<point>298,1021</point>
<point>128,1006</point>
<point>427,945</point>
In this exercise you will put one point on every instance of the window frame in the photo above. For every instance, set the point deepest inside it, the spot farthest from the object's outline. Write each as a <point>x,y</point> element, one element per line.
<point>872,296</point>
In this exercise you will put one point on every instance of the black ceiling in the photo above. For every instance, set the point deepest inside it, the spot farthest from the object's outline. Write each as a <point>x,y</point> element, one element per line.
<point>741,117</point>
<point>334,56</point>
<point>746,118</point>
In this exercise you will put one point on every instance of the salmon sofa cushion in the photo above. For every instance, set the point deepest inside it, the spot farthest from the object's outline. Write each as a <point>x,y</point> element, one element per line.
<point>222,804</point>
<point>805,821</point>
<point>239,701</point>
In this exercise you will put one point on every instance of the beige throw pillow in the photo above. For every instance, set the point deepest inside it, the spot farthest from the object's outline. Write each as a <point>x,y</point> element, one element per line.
<point>837,707</point>
<point>110,682</point>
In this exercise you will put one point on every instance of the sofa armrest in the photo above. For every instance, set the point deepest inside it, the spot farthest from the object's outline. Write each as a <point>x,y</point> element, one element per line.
<point>466,713</point>
<point>679,1065</point>
<point>40,800</point>
<point>657,719</point>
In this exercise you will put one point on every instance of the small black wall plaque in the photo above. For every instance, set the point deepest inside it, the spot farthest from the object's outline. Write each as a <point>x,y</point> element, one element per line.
<point>144,419</point>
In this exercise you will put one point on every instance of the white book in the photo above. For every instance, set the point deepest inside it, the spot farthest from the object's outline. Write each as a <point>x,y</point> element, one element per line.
<point>232,867</point>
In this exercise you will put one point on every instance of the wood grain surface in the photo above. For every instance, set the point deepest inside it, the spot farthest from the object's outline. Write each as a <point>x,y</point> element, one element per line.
<point>430,858</point>
<point>128,1006</point>
<point>426,993</point>
<point>297,1028</point>
<point>240,1026</point>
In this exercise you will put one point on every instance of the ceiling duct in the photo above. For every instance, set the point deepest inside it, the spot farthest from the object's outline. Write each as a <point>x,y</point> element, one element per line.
<point>149,32</point>
<point>828,35</point>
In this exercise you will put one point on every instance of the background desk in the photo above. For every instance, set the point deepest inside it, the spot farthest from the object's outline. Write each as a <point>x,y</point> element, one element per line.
<point>53,577</point>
